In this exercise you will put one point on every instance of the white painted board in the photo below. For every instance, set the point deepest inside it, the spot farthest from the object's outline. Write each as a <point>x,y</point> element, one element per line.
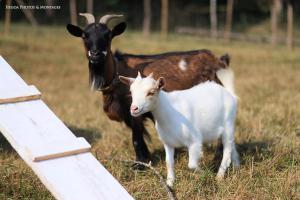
<point>76,177</point>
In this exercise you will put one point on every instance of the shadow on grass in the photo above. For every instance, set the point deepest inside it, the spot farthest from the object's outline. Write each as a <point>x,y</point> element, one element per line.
<point>5,146</point>
<point>259,150</point>
<point>158,155</point>
<point>91,135</point>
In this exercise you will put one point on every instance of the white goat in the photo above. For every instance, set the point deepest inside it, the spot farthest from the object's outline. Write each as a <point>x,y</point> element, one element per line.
<point>189,117</point>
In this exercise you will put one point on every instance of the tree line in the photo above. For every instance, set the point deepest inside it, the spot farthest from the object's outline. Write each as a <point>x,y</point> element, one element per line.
<point>165,10</point>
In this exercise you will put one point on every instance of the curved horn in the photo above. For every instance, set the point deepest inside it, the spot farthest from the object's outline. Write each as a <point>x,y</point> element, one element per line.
<point>106,18</point>
<point>89,17</point>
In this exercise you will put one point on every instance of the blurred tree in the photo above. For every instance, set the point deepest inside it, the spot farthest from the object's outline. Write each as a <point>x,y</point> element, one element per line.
<point>164,18</point>
<point>7,19</point>
<point>147,17</point>
<point>228,25</point>
<point>49,12</point>
<point>89,6</point>
<point>289,38</point>
<point>275,11</point>
<point>73,12</point>
<point>28,13</point>
<point>213,18</point>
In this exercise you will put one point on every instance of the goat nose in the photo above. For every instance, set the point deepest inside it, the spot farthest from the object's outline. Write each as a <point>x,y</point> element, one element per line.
<point>133,108</point>
<point>95,52</point>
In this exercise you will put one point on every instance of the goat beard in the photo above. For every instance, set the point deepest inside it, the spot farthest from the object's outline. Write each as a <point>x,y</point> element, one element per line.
<point>96,78</point>
<point>96,83</point>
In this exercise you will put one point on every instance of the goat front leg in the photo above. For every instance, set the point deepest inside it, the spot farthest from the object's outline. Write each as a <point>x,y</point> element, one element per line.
<point>140,147</point>
<point>170,164</point>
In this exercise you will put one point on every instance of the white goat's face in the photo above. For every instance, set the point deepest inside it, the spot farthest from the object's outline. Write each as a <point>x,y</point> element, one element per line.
<point>144,93</point>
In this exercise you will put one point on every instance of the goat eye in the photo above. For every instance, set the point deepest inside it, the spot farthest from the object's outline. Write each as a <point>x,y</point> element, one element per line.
<point>151,93</point>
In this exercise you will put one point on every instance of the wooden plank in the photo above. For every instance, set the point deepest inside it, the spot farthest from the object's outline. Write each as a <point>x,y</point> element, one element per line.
<point>73,177</point>
<point>58,149</point>
<point>20,94</point>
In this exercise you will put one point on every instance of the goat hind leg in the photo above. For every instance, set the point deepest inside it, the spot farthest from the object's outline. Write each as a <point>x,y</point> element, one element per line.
<point>194,155</point>
<point>227,139</point>
<point>226,160</point>
<point>235,157</point>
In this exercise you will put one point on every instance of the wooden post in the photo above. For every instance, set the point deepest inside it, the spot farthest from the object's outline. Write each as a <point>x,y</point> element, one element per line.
<point>89,6</point>
<point>289,38</point>
<point>28,13</point>
<point>164,18</point>
<point>73,14</point>
<point>213,18</point>
<point>7,20</point>
<point>147,17</point>
<point>275,10</point>
<point>228,26</point>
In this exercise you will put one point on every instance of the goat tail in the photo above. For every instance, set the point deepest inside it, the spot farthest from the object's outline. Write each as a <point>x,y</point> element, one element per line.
<point>226,76</point>
<point>225,59</point>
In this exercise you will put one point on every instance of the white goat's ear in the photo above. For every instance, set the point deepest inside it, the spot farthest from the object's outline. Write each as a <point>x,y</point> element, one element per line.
<point>139,76</point>
<point>126,80</point>
<point>160,83</point>
<point>150,75</point>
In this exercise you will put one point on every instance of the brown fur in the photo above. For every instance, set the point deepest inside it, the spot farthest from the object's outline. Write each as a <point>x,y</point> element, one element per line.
<point>201,66</point>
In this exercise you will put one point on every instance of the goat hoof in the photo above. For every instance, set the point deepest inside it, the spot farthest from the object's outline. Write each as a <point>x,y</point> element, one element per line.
<point>236,165</point>
<point>137,166</point>
<point>170,183</point>
<point>219,177</point>
<point>193,166</point>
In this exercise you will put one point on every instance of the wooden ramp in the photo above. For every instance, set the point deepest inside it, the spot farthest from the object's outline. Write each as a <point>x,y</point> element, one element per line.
<point>61,161</point>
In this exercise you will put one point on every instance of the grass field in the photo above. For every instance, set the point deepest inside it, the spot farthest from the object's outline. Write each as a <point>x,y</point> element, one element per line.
<point>267,128</point>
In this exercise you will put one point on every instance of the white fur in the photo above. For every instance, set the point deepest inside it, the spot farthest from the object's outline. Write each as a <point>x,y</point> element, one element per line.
<point>188,118</point>
<point>93,85</point>
<point>182,65</point>
<point>226,76</point>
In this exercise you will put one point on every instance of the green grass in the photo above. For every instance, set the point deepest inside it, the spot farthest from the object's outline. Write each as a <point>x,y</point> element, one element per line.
<point>267,128</point>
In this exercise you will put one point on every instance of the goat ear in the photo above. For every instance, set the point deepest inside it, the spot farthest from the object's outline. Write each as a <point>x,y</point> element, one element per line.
<point>160,83</point>
<point>126,80</point>
<point>74,30</point>
<point>139,76</point>
<point>118,29</point>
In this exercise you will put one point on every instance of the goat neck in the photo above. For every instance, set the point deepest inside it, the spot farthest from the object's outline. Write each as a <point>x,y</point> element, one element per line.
<point>162,108</point>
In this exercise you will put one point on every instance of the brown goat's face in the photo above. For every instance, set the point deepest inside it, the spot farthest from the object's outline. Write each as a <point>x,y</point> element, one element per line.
<point>97,40</point>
